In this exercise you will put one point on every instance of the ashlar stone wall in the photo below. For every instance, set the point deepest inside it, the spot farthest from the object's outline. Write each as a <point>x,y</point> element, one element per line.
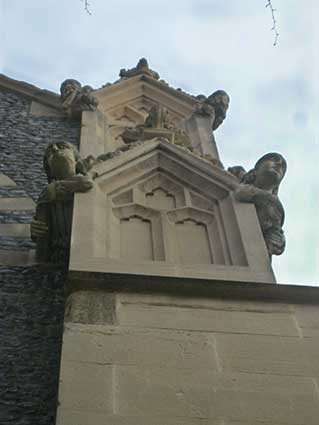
<point>154,359</point>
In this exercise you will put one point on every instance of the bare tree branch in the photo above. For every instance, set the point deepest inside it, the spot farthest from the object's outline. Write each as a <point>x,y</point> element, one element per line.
<point>274,21</point>
<point>87,6</point>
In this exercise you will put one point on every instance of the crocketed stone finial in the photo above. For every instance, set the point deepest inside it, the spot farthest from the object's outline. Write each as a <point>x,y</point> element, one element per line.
<point>141,68</point>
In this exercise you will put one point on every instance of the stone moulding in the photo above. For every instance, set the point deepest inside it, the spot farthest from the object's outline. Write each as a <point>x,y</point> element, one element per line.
<point>159,210</point>
<point>45,97</point>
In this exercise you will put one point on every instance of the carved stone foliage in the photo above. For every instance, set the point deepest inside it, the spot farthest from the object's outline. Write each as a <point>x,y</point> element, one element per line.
<point>215,105</point>
<point>141,68</point>
<point>260,187</point>
<point>51,224</point>
<point>76,98</point>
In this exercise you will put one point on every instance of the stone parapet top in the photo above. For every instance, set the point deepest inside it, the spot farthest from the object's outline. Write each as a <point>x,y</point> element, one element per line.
<point>43,96</point>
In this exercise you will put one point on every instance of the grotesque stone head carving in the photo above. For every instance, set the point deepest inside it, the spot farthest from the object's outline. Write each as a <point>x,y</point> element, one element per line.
<point>76,98</point>
<point>69,86</point>
<point>260,186</point>
<point>62,161</point>
<point>220,101</point>
<point>268,172</point>
<point>215,106</point>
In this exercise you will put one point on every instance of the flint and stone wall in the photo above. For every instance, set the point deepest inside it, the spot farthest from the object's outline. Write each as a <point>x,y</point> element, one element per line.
<point>31,323</point>
<point>23,138</point>
<point>32,300</point>
<point>133,358</point>
<point>142,357</point>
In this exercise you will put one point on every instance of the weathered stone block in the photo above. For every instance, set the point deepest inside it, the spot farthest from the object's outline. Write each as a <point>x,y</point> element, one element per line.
<point>161,316</point>
<point>15,229</point>
<point>269,354</point>
<point>6,181</point>
<point>90,307</point>
<point>128,346</point>
<point>16,204</point>
<point>17,258</point>
<point>203,394</point>
<point>274,408</point>
<point>86,386</point>
<point>167,392</point>
<point>307,318</point>
<point>262,383</point>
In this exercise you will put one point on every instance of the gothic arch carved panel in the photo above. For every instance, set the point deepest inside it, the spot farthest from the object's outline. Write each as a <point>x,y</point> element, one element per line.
<point>140,233</point>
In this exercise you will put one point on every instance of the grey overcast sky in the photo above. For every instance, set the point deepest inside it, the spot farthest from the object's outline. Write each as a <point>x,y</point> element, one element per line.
<point>200,46</point>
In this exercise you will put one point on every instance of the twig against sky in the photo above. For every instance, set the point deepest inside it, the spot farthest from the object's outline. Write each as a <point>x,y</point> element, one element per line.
<point>87,6</point>
<point>274,21</point>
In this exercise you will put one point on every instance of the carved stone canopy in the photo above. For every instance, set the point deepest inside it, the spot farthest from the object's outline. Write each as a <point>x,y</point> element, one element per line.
<point>140,108</point>
<point>157,209</point>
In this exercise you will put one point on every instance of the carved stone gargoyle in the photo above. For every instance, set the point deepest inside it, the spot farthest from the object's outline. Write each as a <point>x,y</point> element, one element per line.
<point>76,98</point>
<point>51,224</point>
<point>215,105</point>
<point>260,187</point>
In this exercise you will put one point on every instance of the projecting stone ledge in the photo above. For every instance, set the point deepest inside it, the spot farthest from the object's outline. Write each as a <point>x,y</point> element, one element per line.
<point>202,288</point>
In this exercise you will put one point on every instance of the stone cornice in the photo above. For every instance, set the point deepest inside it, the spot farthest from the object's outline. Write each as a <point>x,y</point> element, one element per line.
<point>187,157</point>
<point>159,84</point>
<point>45,97</point>
<point>214,288</point>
